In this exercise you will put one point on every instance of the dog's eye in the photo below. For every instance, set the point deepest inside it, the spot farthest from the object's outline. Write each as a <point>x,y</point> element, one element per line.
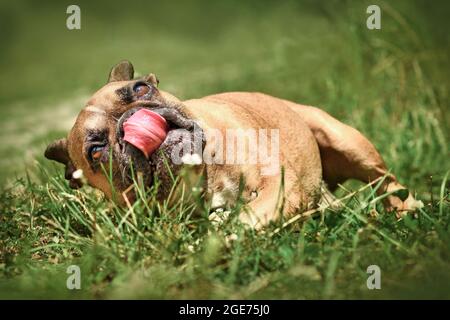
<point>96,152</point>
<point>141,89</point>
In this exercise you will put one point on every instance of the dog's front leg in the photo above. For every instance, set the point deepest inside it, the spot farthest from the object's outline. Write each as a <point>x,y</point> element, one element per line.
<point>270,203</point>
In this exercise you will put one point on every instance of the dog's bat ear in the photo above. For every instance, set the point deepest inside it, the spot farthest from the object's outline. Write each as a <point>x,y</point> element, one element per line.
<point>57,151</point>
<point>122,71</point>
<point>152,79</point>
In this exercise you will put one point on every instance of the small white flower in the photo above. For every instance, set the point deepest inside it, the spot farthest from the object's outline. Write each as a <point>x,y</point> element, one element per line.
<point>232,237</point>
<point>197,189</point>
<point>229,239</point>
<point>77,174</point>
<point>186,159</point>
<point>219,216</point>
<point>192,159</point>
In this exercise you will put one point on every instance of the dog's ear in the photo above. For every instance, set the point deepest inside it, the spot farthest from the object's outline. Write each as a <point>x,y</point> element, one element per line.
<point>57,151</point>
<point>152,79</point>
<point>122,71</point>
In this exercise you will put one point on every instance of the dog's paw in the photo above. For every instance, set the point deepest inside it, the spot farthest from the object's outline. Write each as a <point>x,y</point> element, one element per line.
<point>401,201</point>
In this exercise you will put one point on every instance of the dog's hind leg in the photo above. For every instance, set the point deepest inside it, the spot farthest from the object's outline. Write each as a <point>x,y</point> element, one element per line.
<point>347,154</point>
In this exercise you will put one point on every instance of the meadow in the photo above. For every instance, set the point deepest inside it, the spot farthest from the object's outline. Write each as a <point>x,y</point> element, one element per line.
<point>391,84</point>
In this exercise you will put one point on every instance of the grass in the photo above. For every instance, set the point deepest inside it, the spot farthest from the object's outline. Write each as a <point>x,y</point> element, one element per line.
<point>391,84</point>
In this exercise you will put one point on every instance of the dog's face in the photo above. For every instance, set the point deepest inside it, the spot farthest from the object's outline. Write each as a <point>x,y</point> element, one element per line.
<point>96,142</point>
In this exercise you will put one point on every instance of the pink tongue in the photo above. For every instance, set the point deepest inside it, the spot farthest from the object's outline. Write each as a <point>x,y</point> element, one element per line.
<point>145,130</point>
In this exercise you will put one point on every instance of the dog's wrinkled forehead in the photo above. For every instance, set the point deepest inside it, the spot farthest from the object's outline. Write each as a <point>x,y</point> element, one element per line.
<point>106,106</point>
<point>109,98</point>
<point>103,106</point>
<point>100,112</point>
<point>119,76</point>
<point>107,94</point>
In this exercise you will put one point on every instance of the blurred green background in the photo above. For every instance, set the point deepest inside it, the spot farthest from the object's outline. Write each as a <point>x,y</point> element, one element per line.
<point>391,84</point>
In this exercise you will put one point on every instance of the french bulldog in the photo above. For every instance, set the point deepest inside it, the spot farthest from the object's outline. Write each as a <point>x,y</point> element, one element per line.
<point>312,148</point>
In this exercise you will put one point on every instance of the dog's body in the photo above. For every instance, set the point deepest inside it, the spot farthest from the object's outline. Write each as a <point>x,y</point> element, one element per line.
<point>298,154</point>
<point>313,146</point>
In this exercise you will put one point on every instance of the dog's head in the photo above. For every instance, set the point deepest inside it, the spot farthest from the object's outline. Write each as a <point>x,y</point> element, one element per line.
<point>97,145</point>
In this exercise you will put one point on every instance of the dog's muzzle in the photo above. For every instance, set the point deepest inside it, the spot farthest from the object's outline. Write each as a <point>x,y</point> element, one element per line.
<point>184,136</point>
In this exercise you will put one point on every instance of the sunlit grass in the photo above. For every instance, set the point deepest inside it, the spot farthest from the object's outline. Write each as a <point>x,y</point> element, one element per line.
<point>391,84</point>
<point>155,250</point>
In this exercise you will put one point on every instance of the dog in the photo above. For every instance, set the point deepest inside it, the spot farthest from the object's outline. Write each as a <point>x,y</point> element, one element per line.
<point>313,149</point>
